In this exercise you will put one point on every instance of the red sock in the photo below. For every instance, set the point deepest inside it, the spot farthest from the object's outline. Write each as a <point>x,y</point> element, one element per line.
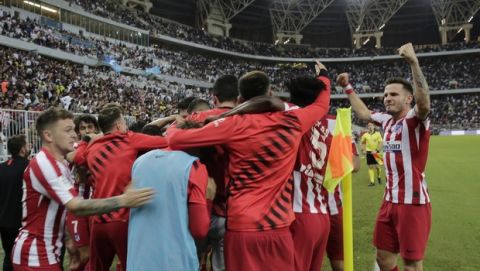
<point>395,269</point>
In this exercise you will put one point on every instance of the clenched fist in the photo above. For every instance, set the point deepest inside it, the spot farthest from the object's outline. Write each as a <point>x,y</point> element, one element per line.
<point>343,80</point>
<point>407,52</point>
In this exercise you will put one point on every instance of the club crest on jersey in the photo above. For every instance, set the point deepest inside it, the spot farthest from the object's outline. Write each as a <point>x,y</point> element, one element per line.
<point>397,128</point>
<point>392,146</point>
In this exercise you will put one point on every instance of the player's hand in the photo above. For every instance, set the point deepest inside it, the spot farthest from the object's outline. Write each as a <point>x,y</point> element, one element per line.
<point>73,255</point>
<point>211,189</point>
<point>179,120</point>
<point>343,80</point>
<point>318,67</point>
<point>136,197</point>
<point>84,254</point>
<point>407,52</point>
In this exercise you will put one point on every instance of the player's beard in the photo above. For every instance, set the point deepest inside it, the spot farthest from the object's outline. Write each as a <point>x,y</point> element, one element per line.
<point>392,109</point>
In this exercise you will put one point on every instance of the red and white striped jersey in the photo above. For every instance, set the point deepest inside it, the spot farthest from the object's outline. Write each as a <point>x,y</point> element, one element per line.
<point>308,192</point>
<point>47,187</point>
<point>405,146</point>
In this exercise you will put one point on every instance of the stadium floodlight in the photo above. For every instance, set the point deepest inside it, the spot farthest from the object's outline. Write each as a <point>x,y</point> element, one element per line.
<point>40,6</point>
<point>381,27</point>
<point>287,41</point>
<point>460,30</point>
<point>366,41</point>
<point>471,18</point>
<point>277,41</point>
<point>443,21</point>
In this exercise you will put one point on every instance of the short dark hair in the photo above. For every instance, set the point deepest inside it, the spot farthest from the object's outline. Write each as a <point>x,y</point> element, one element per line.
<point>109,114</point>
<point>15,144</point>
<point>398,80</point>
<point>50,116</point>
<point>183,104</point>
<point>225,88</point>
<point>304,90</point>
<point>137,126</point>
<point>86,118</point>
<point>195,104</point>
<point>253,84</point>
<point>152,130</point>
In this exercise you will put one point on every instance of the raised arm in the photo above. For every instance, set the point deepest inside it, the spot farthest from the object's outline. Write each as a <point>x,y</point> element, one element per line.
<point>422,97</point>
<point>257,105</point>
<point>162,122</point>
<point>358,106</point>
<point>319,108</point>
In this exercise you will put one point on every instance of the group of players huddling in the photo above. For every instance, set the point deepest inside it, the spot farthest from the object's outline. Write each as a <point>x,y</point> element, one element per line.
<point>239,184</point>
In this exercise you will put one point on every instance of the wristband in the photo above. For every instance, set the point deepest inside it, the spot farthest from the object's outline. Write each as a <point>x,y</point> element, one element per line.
<point>348,89</point>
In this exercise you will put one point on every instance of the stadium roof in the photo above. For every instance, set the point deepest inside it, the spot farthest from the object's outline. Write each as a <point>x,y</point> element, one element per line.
<point>414,21</point>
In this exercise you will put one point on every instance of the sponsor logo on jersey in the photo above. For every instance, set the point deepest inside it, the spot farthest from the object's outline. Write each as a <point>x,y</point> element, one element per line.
<point>392,146</point>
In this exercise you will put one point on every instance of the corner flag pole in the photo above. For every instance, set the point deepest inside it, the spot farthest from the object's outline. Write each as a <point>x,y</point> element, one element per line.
<point>347,223</point>
<point>339,169</point>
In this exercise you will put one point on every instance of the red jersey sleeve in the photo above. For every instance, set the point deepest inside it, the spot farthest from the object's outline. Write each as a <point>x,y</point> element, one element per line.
<point>199,217</point>
<point>143,142</point>
<point>197,184</point>
<point>214,133</point>
<point>80,159</point>
<point>312,113</point>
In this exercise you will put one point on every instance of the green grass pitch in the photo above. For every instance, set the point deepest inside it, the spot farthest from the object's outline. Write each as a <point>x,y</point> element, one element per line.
<point>454,186</point>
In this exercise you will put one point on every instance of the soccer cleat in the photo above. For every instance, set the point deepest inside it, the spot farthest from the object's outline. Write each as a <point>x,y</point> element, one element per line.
<point>371,184</point>
<point>379,180</point>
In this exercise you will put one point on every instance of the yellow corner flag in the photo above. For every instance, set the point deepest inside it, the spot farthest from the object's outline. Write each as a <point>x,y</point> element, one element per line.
<point>339,163</point>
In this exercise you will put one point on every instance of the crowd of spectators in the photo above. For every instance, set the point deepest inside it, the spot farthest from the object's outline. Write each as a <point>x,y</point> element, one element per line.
<point>157,25</point>
<point>447,72</point>
<point>32,82</point>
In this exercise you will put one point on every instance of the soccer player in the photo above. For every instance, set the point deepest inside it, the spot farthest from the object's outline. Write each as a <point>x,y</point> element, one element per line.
<point>224,94</point>
<point>85,125</point>
<point>198,105</point>
<point>78,240</point>
<point>48,190</point>
<point>371,145</point>
<point>161,234</point>
<point>11,179</point>
<point>311,226</point>
<point>183,106</point>
<point>312,229</point>
<point>262,152</point>
<point>109,158</point>
<point>403,222</point>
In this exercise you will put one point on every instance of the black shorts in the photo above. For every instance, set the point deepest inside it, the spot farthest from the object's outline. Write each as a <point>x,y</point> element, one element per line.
<point>371,161</point>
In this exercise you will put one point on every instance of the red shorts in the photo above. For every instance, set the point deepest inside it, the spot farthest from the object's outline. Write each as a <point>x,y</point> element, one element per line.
<point>335,238</point>
<point>78,229</point>
<point>106,241</point>
<point>403,228</point>
<point>259,250</point>
<point>54,267</point>
<point>310,235</point>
